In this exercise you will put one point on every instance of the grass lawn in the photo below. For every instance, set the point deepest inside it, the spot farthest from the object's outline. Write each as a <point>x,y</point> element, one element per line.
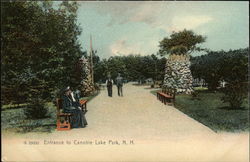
<point>212,112</point>
<point>13,119</point>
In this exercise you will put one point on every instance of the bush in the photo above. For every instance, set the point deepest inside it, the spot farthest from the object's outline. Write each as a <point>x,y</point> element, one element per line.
<point>234,93</point>
<point>195,95</point>
<point>36,109</point>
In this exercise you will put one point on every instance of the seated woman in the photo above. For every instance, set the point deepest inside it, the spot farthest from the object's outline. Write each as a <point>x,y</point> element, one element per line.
<point>71,105</point>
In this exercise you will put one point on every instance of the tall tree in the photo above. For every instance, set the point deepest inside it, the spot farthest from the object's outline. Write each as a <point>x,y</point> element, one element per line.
<point>39,49</point>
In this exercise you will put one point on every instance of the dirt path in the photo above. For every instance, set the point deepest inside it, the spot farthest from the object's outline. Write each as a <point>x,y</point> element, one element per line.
<point>138,114</point>
<point>136,127</point>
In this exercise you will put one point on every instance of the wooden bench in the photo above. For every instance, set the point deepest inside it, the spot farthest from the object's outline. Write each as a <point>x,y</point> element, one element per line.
<point>83,105</point>
<point>167,95</point>
<point>63,119</point>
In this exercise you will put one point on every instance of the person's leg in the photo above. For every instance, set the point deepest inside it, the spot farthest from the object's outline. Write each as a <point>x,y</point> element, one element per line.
<point>118,89</point>
<point>111,91</point>
<point>121,91</point>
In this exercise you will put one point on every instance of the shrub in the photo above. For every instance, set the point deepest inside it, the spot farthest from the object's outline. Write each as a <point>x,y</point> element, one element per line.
<point>36,109</point>
<point>195,95</point>
<point>234,93</point>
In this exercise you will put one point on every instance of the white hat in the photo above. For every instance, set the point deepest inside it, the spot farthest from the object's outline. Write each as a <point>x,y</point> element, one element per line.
<point>67,89</point>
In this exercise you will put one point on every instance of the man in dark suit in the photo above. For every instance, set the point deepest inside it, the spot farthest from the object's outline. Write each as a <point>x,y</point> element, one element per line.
<point>71,105</point>
<point>109,84</point>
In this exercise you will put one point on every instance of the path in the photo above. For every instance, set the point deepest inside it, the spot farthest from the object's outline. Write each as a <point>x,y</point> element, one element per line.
<point>158,132</point>
<point>138,114</point>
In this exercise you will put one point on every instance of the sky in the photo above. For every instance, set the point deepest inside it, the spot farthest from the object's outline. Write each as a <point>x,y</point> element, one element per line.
<point>136,27</point>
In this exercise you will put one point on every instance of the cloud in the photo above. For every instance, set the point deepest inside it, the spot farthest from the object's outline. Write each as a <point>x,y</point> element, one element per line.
<point>148,13</point>
<point>161,15</point>
<point>125,12</point>
<point>188,22</point>
<point>121,47</point>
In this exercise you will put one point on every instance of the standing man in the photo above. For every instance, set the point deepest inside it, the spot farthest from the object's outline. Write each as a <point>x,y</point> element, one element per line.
<point>119,84</point>
<point>109,84</point>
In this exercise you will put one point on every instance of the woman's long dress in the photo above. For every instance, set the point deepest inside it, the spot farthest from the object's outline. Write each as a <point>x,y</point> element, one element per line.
<point>78,119</point>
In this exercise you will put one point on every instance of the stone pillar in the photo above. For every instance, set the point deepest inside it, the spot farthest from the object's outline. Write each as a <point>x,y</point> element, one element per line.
<point>178,74</point>
<point>86,86</point>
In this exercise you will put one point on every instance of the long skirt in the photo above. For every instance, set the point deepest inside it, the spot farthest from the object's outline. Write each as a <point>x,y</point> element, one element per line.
<point>78,119</point>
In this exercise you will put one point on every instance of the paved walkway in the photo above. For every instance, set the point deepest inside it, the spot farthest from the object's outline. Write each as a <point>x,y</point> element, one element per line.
<point>151,130</point>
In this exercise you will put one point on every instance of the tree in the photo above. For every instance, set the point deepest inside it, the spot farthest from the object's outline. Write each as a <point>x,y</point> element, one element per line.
<point>209,68</point>
<point>183,42</point>
<point>39,50</point>
<point>132,67</point>
<point>234,72</point>
<point>231,67</point>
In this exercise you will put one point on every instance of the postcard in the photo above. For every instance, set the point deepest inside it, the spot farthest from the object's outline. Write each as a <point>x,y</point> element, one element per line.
<point>125,81</point>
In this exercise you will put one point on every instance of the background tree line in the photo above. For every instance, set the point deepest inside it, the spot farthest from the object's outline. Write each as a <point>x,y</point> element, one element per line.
<point>215,66</point>
<point>132,67</point>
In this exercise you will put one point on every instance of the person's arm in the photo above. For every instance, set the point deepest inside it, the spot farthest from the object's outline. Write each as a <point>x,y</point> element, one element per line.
<point>73,98</point>
<point>66,105</point>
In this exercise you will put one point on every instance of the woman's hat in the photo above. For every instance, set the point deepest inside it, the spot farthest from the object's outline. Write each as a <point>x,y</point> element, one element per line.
<point>67,89</point>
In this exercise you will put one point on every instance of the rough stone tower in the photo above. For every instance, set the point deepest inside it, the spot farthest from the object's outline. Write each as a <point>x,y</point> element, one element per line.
<point>178,74</point>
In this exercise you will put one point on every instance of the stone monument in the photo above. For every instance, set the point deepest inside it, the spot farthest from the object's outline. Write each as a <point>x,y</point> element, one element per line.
<point>86,86</point>
<point>178,74</point>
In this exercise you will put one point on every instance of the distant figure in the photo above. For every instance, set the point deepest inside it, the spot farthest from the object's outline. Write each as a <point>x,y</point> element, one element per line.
<point>109,84</point>
<point>119,84</point>
<point>71,104</point>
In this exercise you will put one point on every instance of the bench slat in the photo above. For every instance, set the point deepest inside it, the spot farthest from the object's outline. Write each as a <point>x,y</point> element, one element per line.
<point>83,102</point>
<point>167,96</point>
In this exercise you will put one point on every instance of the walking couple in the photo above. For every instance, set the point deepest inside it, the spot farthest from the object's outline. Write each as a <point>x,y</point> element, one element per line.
<point>119,84</point>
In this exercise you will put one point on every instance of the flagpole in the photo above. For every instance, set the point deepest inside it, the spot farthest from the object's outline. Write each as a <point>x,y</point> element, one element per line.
<point>91,60</point>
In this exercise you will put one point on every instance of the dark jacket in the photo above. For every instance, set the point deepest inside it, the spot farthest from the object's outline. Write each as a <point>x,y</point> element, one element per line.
<point>119,81</point>
<point>67,104</point>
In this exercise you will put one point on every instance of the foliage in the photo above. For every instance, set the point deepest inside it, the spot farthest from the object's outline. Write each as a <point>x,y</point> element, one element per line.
<point>215,66</point>
<point>235,70</point>
<point>39,49</point>
<point>36,109</point>
<point>132,67</point>
<point>234,66</point>
<point>181,42</point>
<point>234,94</point>
<point>179,49</point>
<point>208,67</point>
<point>15,120</point>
